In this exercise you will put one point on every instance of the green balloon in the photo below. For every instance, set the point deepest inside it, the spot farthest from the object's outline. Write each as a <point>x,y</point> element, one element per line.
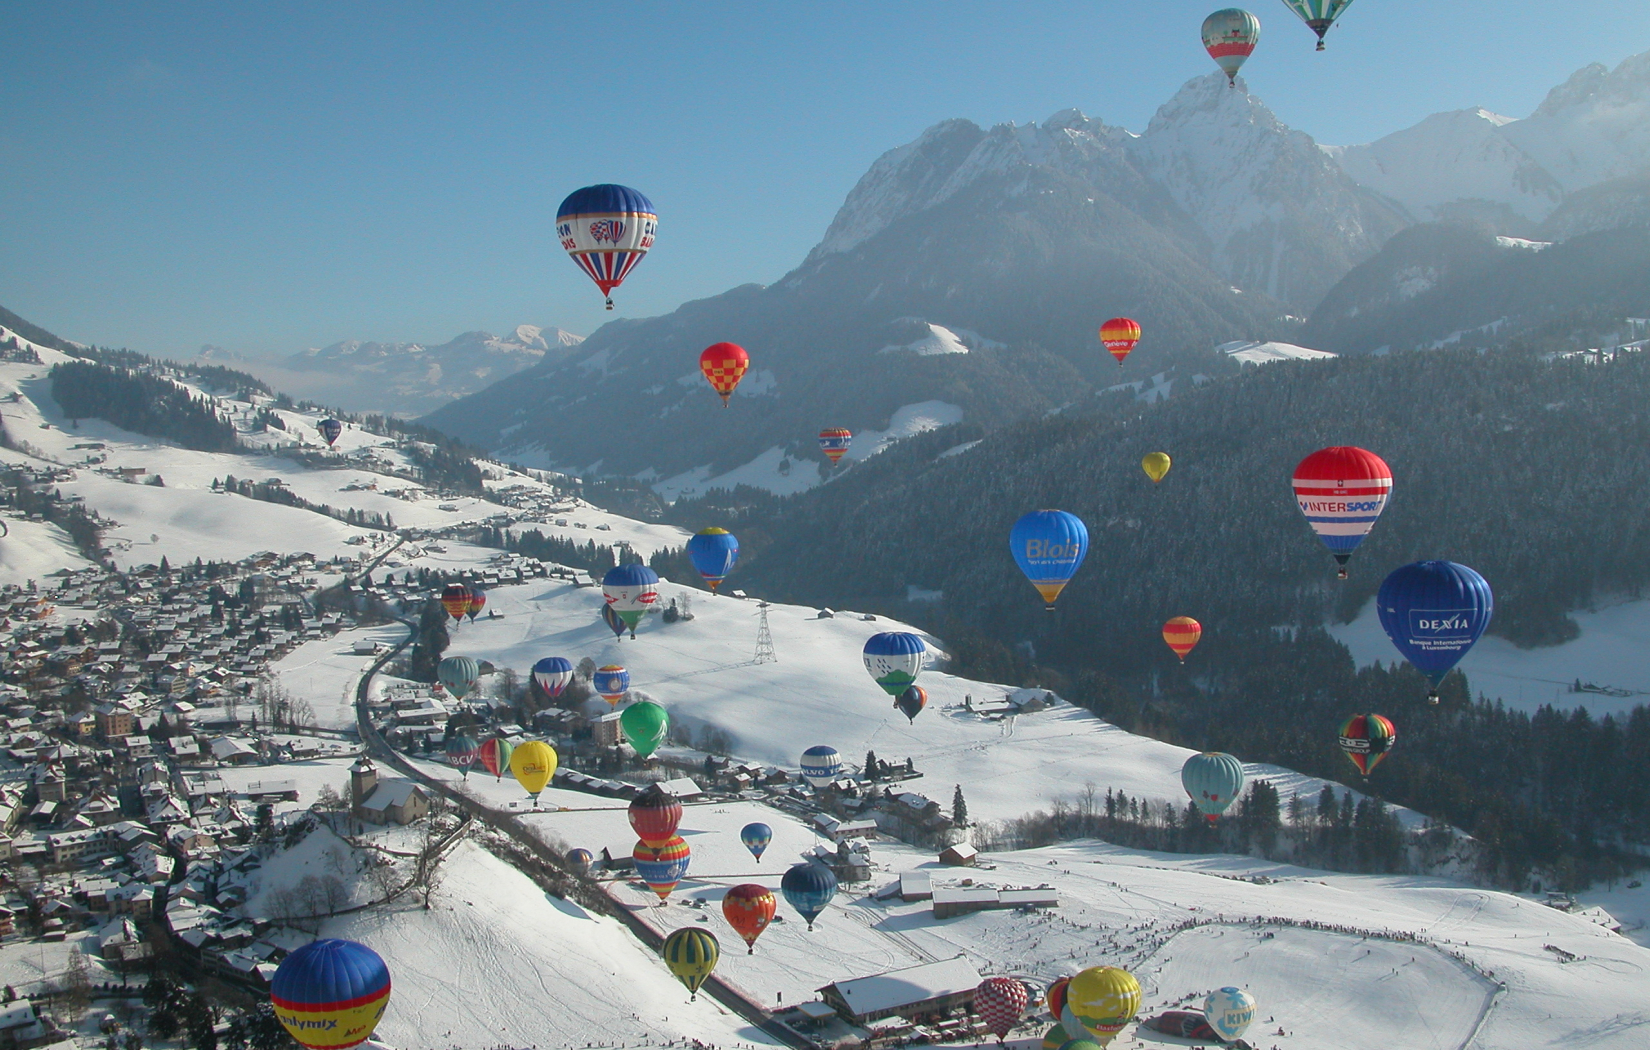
<point>644,725</point>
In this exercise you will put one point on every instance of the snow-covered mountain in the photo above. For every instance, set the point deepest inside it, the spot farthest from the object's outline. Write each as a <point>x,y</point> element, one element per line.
<point>404,379</point>
<point>1473,163</point>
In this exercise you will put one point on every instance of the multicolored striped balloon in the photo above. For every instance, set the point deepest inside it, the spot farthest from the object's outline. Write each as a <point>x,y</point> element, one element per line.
<point>1366,739</point>
<point>662,867</point>
<point>834,442</point>
<point>1342,491</point>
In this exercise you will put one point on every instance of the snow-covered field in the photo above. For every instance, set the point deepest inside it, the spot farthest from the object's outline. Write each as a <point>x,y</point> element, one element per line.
<point>1608,653</point>
<point>31,550</point>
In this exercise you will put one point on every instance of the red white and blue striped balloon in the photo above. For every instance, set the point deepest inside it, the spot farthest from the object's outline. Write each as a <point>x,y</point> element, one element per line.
<point>1342,491</point>
<point>606,229</point>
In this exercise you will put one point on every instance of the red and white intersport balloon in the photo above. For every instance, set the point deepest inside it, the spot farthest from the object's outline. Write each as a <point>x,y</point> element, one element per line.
<point>1001,1002</point>
<point>1342,490</point>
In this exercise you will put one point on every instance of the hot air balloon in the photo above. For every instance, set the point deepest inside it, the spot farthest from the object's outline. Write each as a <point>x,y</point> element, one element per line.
<point>330,430</point>
<point>1156,465</point>
<point>533,764</point>
<point>330,994</point>
<point>821,765</point>
<point>1056,996</point>
<point>458,675</point>
<point>808,887</point>
<point>691,954</point>
<point>455,598</point>
<point>834,442</point>
<point>461,753</point>
<point>1181,634</point>
<point>756,837</point>
<point>1230,36</point>
<point>713,552</point>
<point>1055,1038</point>
<point>724,364</point>
<point>654,815</point>
<point>645,725</point>
<point>553,673</point>
<point>1119,335</point>
<point>1318,15</point>
<point>662,867</point>
<point>581,859</point>
<point>631,590</point>
<point>749,908</point>
<point>1103,999</point>
<point>1001,1001</point>
<point>1434,611</point>
<point>606,229</point>
<point>1214,780</point>
<point>894,659</point>
<point>1049,546</point>
<point>614,622</point>
<point>494,754</point>
<point>1342,490</point>
<point>911,702</point>
<point>1229,1012</point>
<point>1366,739</point>
<point>611,682</point>
<point>478,602</point>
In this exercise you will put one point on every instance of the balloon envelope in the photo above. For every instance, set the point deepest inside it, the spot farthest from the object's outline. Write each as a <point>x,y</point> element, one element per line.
<point>1103,999</point>
<point>1318,15</point>
<point>1049,547</point>
<point>1230,36</point>
<point>724,364</point>
<point>713,552</point>
<point>655,815</point>
<point>611,682</point>
<point>614,621</point>
<point>749,908</point>
<point>1119,336</point>
<point>834,442</point>
<point>821,765</point>
<point>1057,995</point>
<point>1001,1002</point>
<point>606,229</point>
<point>330,993</point>
<point>495,755</point>
<point>1181,634</point>
<point>461,751</point>
<point>1229,1011</point>
<point>645,725</point>
<point>1434,611</point>
<point>455,598</point>
<point>756,838</point>
<point>912,701</point>
<point>691,954</point>
<point>1342,490</point>
<point>1366,739</point>
<point>478,601</point>
<point>1214,780</point>
<point>1055,1038</point>
<point>553,673</point>
<point>631,590</point>
<point>894,659</point>
<point>662,867</point>
<point>458,674</point>
<point>330,429</point>
<point>533,764</point>
<point>808,887</point>
<point>581,859</point>
<point>1156,465</point>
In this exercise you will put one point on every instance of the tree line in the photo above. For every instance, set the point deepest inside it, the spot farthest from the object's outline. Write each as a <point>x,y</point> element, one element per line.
<point>145,404</point>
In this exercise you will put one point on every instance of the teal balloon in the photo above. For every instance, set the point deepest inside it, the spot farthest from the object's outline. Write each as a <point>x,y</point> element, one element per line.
<point>1214,780</point>
<point>459,674</point>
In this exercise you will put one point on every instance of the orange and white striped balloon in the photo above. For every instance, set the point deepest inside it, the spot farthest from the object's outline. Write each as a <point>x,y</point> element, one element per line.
<point>1119,336</point>
<point>1182,634</point>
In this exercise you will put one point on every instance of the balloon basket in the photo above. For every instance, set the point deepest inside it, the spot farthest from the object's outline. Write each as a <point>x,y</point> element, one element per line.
<point>610,303</point>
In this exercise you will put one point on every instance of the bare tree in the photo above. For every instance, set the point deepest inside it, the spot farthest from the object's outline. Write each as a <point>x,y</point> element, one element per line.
<point>77,986</point>
<point>427,874</point>
<point>386,877</point>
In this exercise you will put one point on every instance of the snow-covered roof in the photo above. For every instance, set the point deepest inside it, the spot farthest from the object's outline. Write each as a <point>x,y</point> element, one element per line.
<point>897,988</point>
<point>390,793</point>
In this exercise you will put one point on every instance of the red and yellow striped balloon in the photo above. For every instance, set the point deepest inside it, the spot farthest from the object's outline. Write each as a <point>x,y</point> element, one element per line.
<point>724,364</point>
<point>1119,336</point>
<point>1182,634</point>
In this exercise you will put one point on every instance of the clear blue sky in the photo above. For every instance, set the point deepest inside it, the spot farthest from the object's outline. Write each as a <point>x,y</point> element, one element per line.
<point>271,176</point>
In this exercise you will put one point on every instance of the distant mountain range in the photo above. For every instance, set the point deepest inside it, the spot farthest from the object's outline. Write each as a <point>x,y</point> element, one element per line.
<point>1008,245</point>
<point>403,379</point>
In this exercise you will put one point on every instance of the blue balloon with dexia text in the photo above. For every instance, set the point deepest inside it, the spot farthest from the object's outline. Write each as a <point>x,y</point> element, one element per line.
<point>1049,546</point>
<point>894,659</point>
<point>713,552</point>
<point>553,673</point>
<point>808,887</point>
<point>821,764</point>
<point>756,838</point>
<point>1434,611</point>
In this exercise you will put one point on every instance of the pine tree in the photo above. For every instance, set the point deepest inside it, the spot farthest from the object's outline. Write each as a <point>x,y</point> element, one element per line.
<point>870,765</point>
<point>959,808</point>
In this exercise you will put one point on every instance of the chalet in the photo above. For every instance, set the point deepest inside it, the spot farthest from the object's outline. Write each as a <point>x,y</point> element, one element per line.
<point>923,992</point>
<point>394,801</point>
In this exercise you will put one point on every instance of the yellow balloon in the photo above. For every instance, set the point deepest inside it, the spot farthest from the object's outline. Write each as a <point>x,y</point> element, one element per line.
<point>533,764</point>
<point>1104,999</point>
<point>1156,464</point>
<point>691,955</point>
